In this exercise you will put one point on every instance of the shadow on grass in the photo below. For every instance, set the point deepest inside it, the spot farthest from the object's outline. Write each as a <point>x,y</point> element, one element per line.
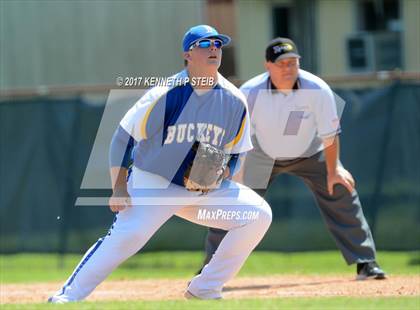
<point>414,261</point>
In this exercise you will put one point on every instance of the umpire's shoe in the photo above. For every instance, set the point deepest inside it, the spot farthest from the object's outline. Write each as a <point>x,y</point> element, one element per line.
<point>369,270</point>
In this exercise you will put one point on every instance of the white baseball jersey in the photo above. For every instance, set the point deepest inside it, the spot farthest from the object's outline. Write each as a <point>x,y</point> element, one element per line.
<point>291,125</point>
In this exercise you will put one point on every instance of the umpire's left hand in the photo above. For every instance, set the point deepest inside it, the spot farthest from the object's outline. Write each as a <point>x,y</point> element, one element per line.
<point>341,176</point>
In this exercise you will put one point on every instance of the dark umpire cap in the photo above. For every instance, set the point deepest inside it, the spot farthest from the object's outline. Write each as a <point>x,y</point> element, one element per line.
<point>202,32</point>
<point>281,48</point>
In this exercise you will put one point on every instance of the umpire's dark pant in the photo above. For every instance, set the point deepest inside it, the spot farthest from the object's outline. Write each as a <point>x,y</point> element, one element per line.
<point>342,212</point>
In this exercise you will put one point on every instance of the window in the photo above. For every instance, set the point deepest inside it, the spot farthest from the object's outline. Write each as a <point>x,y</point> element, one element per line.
<point>281,22</point>
<point>379,15</point>
<point>377,46</point>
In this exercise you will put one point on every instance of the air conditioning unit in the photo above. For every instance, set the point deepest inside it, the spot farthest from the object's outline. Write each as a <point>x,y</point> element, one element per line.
<point>374,51</point>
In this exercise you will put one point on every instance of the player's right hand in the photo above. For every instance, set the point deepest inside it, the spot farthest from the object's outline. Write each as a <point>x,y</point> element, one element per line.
<point>119,200</point>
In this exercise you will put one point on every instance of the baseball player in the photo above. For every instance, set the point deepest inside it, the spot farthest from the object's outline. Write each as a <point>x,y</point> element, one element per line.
<point>294,127</point>
<point>157,135</point>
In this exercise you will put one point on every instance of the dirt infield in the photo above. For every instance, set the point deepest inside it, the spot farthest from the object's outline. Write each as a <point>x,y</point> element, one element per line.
<point>243,287</point>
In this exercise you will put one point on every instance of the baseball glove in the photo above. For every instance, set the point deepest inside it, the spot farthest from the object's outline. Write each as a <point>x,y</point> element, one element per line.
<point>207,170</point>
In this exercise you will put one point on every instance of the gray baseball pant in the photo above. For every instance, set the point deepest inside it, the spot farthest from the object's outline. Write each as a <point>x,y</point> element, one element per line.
<point>342,212</point>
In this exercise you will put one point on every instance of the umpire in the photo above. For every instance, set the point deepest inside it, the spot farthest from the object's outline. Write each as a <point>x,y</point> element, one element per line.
<point>295,130</point>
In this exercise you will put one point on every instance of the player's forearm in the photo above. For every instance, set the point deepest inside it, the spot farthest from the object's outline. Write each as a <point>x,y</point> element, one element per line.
<point>332,154</point>
<point>119,159</point>
<point>119,179</point>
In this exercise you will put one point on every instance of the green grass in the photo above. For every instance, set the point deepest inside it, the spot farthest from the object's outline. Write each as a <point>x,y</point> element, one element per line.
<point>405,303</point>
<point>26,268</point>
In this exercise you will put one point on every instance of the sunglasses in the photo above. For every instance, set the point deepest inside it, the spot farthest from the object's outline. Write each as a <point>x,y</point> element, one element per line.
<point>206,43</point>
